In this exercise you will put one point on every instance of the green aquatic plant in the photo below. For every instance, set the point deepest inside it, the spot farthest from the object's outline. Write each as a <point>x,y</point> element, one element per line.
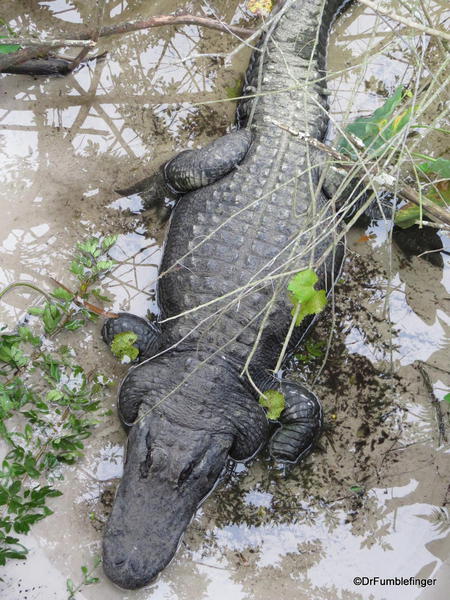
<point>374,134</point>
<point>439,194</point>
<point>304,297</point>
<point>87,579</point>
<point>48,403</point>
<point>374,131</point>
<point>312,350</point>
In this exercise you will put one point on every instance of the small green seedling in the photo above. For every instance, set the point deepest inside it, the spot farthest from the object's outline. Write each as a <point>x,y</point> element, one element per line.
<point>305,298</point>
<point>123,347</point>
<point>72,589</point>
<point>275,402</point>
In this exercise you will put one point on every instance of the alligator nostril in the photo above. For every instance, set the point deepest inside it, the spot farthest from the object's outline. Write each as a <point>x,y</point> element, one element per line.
<point>135,565</point>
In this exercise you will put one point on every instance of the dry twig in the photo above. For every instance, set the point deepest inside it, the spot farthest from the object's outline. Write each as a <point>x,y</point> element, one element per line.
<point>376,175</point>
<point>405,21</point>
<point>21,56</point>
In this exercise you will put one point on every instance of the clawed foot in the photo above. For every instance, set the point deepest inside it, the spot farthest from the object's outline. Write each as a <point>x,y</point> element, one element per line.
<point>301,423</point>
<point>148,334</point>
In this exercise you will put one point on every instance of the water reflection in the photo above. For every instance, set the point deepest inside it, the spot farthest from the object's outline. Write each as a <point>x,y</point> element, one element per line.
<point>67,143</point>
<point>379,472</point>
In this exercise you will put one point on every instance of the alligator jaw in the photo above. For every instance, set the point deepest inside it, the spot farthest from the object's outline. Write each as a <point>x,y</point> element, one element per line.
<point>168,472</point>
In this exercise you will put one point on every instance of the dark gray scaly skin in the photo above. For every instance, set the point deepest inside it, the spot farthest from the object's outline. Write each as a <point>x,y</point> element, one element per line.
<point>189,408</point>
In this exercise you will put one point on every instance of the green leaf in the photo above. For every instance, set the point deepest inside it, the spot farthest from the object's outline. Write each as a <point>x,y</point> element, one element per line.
<point>407,215</point>
<point>76,268</point>
<point>36,311</point>
<point>275,402</point>
<point>97,292</point>
<point>108,242</point>
<point>7,49</point>
<point>70,586</point>
<point>74,324</point>
<point>89,246</point>
<point>62,294</point>
<point>26,335</point>
<point>305,298</point>
<point>54,395</point>
<point>105,265</point>
<point>122,346</point>
<point>374,131</point>
<point>312,350</point>
<point>15,487</point>
<point>235,90</point>
<point>438,166</point>
<point>51,317</point>
<point>447,397</point>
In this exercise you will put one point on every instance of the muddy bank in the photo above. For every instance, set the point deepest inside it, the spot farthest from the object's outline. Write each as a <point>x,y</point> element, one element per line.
<point>373,499</point>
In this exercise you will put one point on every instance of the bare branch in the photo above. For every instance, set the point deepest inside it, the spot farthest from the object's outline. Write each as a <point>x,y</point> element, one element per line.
<point>21,56</point>
<point>16,58</point>
<point>170,20</point>
<point>405,21</point>
<point>23,41</point>
<point>85,51</point>
<point>376,175</point>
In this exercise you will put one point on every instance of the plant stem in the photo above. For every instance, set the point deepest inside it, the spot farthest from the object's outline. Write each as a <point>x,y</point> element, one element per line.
<point>405,20</point>
<point>24,41</point>
<point>24,284</point>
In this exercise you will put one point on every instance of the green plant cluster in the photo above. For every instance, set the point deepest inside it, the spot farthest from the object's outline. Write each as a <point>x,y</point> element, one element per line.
<point>87,579</point>
<point>304,297</point>
<point>123,346</point>
<point>374,133</point>
<point>89,264</point>
<point>48,403</point>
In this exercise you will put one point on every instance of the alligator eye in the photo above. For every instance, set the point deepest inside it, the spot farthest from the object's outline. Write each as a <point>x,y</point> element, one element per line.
<point>185,473</point>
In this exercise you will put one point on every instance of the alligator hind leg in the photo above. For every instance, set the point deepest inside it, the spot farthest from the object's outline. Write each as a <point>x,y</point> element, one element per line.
<point>148,334</point>
<point>301,423</point>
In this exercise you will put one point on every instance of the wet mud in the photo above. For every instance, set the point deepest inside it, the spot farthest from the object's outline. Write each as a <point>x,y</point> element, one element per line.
<point>373,499</point>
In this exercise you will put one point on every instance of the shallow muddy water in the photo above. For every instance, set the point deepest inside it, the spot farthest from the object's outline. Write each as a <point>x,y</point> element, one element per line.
<point>373,500</point>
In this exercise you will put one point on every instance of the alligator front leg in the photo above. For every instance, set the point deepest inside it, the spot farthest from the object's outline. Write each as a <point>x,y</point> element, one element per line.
<point>301,423</point>
<point>192,169</point>
<point>186,172</point>
<point>148,334</point>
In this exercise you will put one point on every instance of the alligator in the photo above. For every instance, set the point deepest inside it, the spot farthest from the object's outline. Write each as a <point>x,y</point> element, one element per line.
<point>250,213</point>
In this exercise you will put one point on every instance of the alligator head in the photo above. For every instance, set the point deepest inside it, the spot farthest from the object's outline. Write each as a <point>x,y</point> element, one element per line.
<point>168,472</point>
<point>175,455</point>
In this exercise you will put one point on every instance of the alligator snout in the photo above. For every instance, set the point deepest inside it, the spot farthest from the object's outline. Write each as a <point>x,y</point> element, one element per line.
<point>169,470</point>
<point>128,571</point>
